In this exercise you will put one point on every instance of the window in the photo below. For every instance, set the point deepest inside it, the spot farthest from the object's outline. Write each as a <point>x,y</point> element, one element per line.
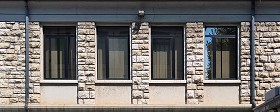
<point>113,53</point>
<point>59,52</point>
<point>167,53</point>
<point>221,52</point>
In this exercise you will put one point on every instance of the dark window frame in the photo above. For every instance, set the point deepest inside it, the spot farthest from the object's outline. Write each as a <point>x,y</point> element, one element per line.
<point>107,72</point>
<point>65,58</point>
<point>172,38</point>
<point>214,37</point>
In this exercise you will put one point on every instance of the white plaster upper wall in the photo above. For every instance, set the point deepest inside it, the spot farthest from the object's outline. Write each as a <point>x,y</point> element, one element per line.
<point>126,11</point>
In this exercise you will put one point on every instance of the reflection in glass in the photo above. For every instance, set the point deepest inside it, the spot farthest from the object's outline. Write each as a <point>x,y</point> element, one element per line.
<point>221,53</point>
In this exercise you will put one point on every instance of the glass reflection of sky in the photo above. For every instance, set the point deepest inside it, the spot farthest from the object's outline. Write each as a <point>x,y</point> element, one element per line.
<point>210,31</point>
<point>207,40</point>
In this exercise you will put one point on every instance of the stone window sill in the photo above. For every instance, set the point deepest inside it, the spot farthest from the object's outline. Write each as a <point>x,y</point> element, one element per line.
<point>59,81</point>
<point>222,81</point>
<point>113,81</point>
<point>167,81</point>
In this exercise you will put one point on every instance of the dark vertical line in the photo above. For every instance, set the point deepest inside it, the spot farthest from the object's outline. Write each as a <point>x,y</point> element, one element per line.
<point>74,60</point>
<point>107,57</point>
<point>26,56</point>
<point>152,58</point>
<point>58,57</point>
<point>236,56</point>
<point>66,49</point>
<point>128,55</point>
<point>45,49</point>
<point>214,57</point>
<point>50,59</point>
<point>173,58</point>
<point>252,53</point>
<point>221,44</point>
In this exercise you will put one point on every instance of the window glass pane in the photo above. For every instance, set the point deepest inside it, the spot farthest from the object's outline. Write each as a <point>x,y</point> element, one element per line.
<point>47,57</point>
<point>208,57</point>
<point>229,53</point>
<point>72,57</point>
<point>167,53</point>
<point>221,53</point>
<point>220,31</point>
<point>113,52</point>
<point>179,60</point>
<point>118,63</point>
<point>54,58</point>
<point>101,54</point>
<point>60,53</point>
<point>162,59</point>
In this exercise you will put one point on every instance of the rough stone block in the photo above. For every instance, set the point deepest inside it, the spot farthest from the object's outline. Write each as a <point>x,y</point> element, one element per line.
<point>264,86</point>
<point>137,94</point>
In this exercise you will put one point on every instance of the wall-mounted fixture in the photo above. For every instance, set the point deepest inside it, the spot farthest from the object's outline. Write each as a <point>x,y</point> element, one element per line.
<point>141,13</point>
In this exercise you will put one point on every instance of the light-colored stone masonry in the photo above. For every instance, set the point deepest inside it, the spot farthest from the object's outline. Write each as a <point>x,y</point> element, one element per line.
<point>12,62</point>
<point>140,63</point>
<point>34,61</point>
<point>194,62</point>
<point>267,53</point>
<point>86,62</point>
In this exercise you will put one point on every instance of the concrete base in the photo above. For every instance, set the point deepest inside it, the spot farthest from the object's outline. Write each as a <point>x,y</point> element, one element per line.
<point>128,108</point>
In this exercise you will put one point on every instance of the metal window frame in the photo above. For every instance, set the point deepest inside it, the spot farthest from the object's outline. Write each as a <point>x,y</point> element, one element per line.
<point>107,53</point>
<point>214,37</point>
<point>66,47</point>
<point>173,53</point>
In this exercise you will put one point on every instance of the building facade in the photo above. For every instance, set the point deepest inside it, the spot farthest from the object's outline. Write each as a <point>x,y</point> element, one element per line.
<point>137,55</point>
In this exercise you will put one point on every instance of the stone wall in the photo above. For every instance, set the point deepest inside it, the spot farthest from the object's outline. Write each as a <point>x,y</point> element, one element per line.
<point>34,61</point>
<point>245,63</point>
<point>267,57</point>
<point>267,53</point>
<point>86,62</point>
<point>194,62</point>
<point>12,62</point>
<point>140,63</point>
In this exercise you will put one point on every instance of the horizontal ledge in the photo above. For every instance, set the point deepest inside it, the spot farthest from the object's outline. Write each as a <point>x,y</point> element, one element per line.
<point>223,81</point>
<point>113,81</point>
<point>167,81</point>
<point>129,106</point>
<point>58,81</point>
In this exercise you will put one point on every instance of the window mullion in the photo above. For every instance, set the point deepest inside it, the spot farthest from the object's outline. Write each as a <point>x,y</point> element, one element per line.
<point>50,59</point>
<point>221,44</point>
<point>173,58</point>
<point>107,57</point>
<point>58,57</point>
<point>66,49</point>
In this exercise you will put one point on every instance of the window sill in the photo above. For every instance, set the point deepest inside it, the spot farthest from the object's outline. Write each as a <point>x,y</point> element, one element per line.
<point>113,81</point>
<point>222,81</point>
<point>168,81</point>
<point>59,81</point>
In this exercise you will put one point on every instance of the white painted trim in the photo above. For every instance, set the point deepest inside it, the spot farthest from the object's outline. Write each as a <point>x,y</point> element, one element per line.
<point>150,52</point>
<point>41,52</point>
<point>113,81</point>
<point>167,81</point>
<point>223,81</point>
<point>96,52</point>
<point>58,81</point>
